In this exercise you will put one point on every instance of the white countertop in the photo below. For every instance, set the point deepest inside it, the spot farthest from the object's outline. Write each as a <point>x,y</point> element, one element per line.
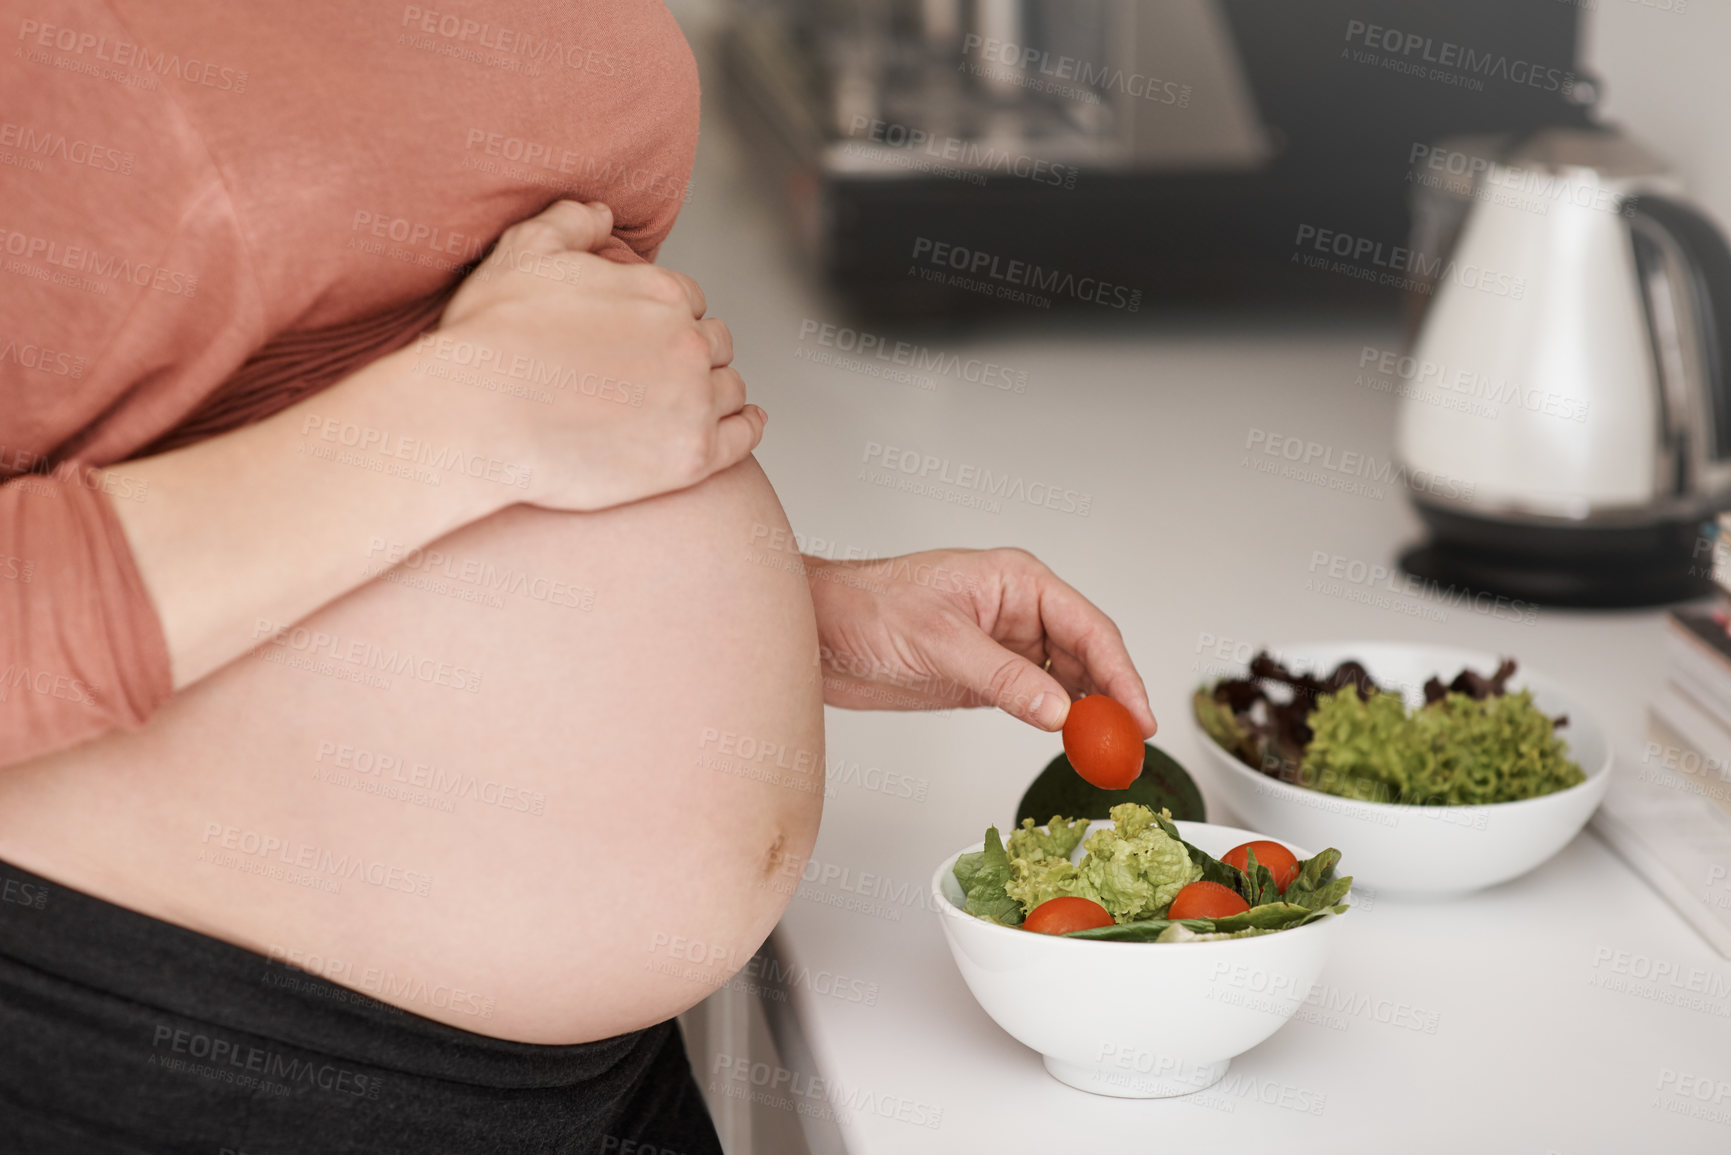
<point>1498,1022</point>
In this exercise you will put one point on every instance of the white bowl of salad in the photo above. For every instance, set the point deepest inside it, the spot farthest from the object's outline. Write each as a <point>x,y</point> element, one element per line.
<point>1458,771</point>
<point>1151,995</point>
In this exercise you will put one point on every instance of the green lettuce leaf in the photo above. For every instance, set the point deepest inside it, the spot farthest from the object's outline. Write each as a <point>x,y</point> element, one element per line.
<point>1456,751</point>
<point>1060,837</point>
<point>1211,868</point>
<point>1037,880</point>
<point>1269,916</point>
<point>982,875</point>
<point>1219,723</point>
<point>1316,870</point>
<point>1316,887</point>
<point>1257,920</point>
<point>1144,930</point>
<point>1133,869</point>
<point>1480,751</point>
<point>1259,884</point>
<point>1136,867</point>
<point>1361,748</point>
<point>1330,895</point>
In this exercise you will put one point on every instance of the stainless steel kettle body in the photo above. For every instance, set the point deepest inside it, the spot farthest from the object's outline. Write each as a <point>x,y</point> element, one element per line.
<point>1568,424</point>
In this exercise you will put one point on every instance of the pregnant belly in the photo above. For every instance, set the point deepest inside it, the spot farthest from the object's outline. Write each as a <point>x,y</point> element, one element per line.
<point>550,780</point>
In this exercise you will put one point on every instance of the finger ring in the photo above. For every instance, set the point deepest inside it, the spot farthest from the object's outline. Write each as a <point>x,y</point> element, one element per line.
<point>1048,666</point>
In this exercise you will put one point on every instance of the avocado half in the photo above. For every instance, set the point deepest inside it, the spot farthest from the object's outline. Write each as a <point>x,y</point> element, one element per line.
<point>1059,790</point>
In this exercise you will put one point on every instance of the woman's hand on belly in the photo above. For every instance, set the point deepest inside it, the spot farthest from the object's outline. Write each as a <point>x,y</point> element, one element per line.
<point>498,784</point>
<point>657,405</point>
<point>558,378</point>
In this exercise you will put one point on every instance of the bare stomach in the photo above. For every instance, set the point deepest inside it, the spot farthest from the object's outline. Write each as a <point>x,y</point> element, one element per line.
<point>551,784</point>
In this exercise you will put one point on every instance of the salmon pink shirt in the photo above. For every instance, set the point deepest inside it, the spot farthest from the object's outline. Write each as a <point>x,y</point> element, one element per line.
<point>210,210</point>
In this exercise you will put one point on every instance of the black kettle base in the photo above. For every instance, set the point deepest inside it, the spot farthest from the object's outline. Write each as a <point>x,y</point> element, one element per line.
<point>1581,566</point>
<point>1610,581</point>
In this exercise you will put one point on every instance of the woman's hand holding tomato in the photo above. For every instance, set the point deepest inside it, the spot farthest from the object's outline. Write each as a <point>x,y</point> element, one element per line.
<point>964,627</point>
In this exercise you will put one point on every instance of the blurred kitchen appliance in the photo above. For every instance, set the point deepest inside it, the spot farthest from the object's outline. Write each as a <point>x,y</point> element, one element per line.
<point>1565,418</point>
<point>1181,149</point>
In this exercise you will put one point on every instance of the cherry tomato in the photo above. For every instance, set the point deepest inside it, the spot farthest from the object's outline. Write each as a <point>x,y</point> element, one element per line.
<point>1065,914</point>
<point>1276,857</point>
<point>1103,743</point>
<point>1207,900</point>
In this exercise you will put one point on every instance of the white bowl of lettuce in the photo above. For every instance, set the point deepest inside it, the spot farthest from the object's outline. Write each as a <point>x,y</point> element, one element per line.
<point>1145,1008</point>
<point>1420,807</point>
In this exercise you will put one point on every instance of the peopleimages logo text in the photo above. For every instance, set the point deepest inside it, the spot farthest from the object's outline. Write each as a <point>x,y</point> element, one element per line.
<point>1448,54</point>
<point>1088,74</point>
<point>917,357</point>
<point>1400,259</point>
<point>513,41</point>
<point>106,266</point>
<point>1356,464</point>
<point>1473,383</point>
<point>970,156</point>
<point>58,146</point>
<point>128,55</point>
<point>930,468</point>
<point>976,263</point>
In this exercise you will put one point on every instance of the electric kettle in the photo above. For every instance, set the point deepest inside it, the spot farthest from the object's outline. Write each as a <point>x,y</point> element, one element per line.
<point>1565,427</point>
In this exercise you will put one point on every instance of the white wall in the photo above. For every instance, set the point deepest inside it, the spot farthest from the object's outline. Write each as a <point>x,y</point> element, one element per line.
<point>1666,80</point>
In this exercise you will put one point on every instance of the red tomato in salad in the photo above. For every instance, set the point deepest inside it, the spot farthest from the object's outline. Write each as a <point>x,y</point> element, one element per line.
<point>1103,742</point>
<point>1207,900</point>
<point>1065,914</point>
<point>1277,858</point>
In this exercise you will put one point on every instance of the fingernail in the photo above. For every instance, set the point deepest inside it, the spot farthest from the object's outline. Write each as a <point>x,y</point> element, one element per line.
<point>1047,710</point>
